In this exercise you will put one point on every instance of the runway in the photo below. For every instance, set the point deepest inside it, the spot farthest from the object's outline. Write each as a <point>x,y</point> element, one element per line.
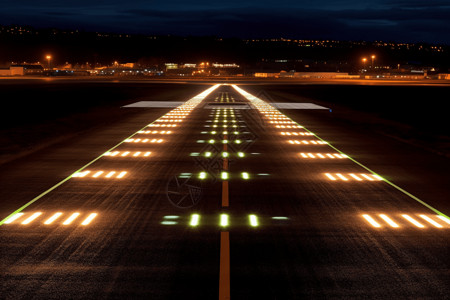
<point>224,197</point>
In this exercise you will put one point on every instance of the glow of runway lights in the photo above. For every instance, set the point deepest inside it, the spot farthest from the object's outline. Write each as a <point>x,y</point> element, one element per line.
<point>224,175</point>
<point>97,174</point>
<point>71,219</point>
<point>253,220</point>
<point>241,154</point>
<point>224,154</point>
<point>89,219</point>
<point>53,218</point>
<point>245,175</point>
<point>13,218</point>
<point>389,221</point>
<point>371,221</point>
<point>446,220</point>
<point>417,224</point>
<point>431,221</point>
<point>211,141</point>
<point>237,141</point>
<point>202,175</point>
<point>195,220</point>
<point>122,174</point>
<point>223,220</point>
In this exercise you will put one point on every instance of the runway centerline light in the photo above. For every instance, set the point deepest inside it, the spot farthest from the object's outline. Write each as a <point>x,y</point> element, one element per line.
<point>195,220</point>
<point>223,220</point>
<point>253,220</point>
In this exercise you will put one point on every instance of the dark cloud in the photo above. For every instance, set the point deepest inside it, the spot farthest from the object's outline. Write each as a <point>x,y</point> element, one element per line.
<point>399,20</point>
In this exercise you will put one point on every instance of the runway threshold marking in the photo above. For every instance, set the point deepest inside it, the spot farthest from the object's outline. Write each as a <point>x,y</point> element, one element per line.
<point>403,220</point>
<point>267,109</point>
<point>28,218</point>
<point>186,106</point>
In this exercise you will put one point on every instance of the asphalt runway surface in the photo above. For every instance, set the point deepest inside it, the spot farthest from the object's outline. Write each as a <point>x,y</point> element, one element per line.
<point>222,197</point>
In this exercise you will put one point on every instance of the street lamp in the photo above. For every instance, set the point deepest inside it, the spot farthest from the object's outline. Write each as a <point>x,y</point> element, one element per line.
<point>373,57</point>
<point>48,57</point>
<point>364,62</point>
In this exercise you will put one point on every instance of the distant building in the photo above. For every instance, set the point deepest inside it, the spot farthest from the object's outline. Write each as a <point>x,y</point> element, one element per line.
<point>21,70</point>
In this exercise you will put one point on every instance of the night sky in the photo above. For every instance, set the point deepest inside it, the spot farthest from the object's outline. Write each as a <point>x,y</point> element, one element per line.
<point>398,20</point>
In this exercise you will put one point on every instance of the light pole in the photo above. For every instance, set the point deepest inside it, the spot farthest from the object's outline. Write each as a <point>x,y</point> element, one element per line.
<point>373,57</point>
<point>48,57</point>
<point>364,63</point>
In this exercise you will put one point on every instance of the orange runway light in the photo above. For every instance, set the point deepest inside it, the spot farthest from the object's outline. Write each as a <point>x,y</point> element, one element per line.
<point>13,218</point>
<point>52,218</point>
<point>371,221</point>
<point>89,219</point>
<point>71,219</point>
<point>31,218</point>
<point>413,221</point>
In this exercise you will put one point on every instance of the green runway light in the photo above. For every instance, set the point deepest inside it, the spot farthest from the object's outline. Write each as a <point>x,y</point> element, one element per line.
<point>204,132</point>
<point>225,142</point>
<point>169,223</point>
<point>253,220</point>
<point>213,132</point>
<point>211,141</point>
<point>237,141</point>
<point>195,220</point>
<point>236,132</point>
<point>280,218</point>
<point>171,216</point>
<point>208,154</point>
<point>200,141</point>
<point>202,175</point>
<point>215,126</point>
<point>224,175</point>
<point>194,154</point>
<point>224,154</point>
<point>225,132</point>
<point>240,154</point>
<point>224,220</point>
<point>245,175</point>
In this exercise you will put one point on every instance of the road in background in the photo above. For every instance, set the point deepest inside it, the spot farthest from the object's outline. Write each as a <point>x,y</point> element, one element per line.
<point>222,196</point>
